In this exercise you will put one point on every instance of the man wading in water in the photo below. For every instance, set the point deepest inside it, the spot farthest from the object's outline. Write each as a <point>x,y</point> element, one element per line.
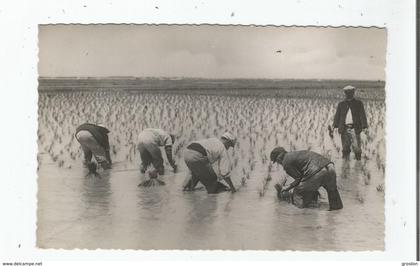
<point>199,157</point>
<point>310,171</point>
<point>350,119</point>
<point>94,142</point>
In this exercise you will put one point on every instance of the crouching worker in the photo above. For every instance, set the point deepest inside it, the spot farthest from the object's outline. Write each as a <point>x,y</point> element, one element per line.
<point>94,142</point>
<point>310,171</point>
<point>199,157</point>
<point>150,141</point>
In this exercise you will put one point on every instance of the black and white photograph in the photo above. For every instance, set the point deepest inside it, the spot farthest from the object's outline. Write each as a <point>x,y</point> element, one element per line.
<point>218,132</point>
<point>211,137</point>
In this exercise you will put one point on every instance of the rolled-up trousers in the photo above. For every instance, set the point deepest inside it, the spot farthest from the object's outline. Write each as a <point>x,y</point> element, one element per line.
<point>351,141</point>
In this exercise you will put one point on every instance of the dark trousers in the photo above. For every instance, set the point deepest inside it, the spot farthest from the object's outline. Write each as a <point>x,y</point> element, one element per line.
<point>351,141</point>
<point>202,170</point>
<point>307,190</point>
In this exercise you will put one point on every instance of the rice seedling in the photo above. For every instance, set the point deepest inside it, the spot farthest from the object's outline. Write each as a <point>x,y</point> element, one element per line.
<point>380,188</point>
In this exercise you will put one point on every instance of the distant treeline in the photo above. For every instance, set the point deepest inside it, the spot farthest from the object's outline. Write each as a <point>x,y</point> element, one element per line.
<point>301,88</point>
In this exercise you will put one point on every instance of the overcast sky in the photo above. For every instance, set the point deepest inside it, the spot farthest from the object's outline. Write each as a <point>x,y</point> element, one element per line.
<point>212,51</point>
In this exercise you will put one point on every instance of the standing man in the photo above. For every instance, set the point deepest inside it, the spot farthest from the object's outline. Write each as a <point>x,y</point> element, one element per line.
<point>150,141</point>
<point>199,157</point>
<point>310,171</point>
<point>350,119</point>
<point>94,141</point>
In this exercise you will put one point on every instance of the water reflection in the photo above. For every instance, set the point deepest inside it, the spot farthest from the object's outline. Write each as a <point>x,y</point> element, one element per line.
<point>202,213</point>
<point>345,169</point>
<point>96,193</point>
<point>329,233</point>
<point>112,212</point>
<point>94,219</point>
<point>151,199</point>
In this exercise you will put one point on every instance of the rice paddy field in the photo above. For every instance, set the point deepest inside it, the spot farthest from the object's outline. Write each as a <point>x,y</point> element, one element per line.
<point>112,212</point>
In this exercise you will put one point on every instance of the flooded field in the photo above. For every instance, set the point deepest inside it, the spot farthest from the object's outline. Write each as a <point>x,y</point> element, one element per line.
<point>75,211</point>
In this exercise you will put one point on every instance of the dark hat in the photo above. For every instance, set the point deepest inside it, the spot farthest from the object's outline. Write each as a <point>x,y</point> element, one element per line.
<point>276,152</point>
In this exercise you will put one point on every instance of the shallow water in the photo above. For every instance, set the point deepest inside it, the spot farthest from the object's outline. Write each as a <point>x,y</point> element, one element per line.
<point>112,212</point>
<point>75,211</point>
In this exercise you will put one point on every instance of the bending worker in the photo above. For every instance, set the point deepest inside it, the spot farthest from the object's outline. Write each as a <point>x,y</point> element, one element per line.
<point>94,141</point>
<point>310,171</point>
<point>199,157</point>
<point>150,141</point>
<point>350,119</point>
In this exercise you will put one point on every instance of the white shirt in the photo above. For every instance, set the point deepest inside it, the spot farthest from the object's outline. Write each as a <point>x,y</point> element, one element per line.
<point>156,136</point>
<point>216,152</point>
<point>349,117</point>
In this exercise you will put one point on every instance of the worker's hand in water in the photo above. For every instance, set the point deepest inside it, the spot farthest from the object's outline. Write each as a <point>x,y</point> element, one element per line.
<point>284,192</point>
<point>229,182</point>
<point>175,167</point>
<point>286,189</point>
<point>106,165</point>
<point>285,195</point>
<point>366,131</point>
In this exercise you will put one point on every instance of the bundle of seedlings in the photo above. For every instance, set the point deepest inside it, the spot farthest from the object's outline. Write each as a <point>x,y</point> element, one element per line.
<point>92,167</point>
